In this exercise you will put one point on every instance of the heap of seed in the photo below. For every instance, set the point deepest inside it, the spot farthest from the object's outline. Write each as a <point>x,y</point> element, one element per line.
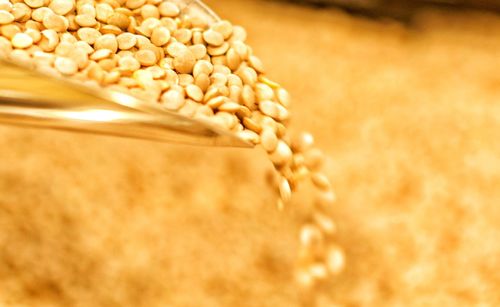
<point>151,50</point>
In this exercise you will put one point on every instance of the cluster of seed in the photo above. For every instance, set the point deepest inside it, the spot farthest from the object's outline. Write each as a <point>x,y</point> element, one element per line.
<point>151,50</point>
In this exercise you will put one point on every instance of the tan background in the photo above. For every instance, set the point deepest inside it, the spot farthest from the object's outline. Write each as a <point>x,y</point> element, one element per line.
<point>409,119</point>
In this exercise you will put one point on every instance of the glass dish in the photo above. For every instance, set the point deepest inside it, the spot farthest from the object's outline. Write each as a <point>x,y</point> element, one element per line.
<point>29,98</point>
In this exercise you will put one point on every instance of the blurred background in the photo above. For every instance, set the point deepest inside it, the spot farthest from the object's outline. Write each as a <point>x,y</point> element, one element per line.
<point>405,104</point>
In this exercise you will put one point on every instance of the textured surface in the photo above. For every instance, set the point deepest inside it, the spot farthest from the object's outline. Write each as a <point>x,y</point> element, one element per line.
<point>410,121</point>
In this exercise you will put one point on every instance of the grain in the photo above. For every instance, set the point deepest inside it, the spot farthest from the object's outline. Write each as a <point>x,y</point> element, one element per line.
<point>213,38</point>
<point>22,41</point>
<point>285,190</point>
<point>126,41</point>
<point>173,100</point>
<point>65,66</point>
<point>160,36</point>
<point>62,7</point>
<point>34,3</point>
<point>269,140</point>
<point>335,259</point>
<point>224,27</point>
<point>88,35</point>
<point>21,12</point>
<point>146,57</point>
<point>321,181</point>
<point>282,155</point>
<point>199,51</point>
<point>269,108</point>
<point>184,61</point>
<point>168,9</point>
<point>145,48</point>
<point>119,20</point>
<point>6,17</point>
<point>302,142</point>
<point>129,64</point>
<point>107,41</point>
<point>194,92</point>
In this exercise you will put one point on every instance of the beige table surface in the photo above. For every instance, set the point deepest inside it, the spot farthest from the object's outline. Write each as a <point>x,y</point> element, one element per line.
<point>409,119</point>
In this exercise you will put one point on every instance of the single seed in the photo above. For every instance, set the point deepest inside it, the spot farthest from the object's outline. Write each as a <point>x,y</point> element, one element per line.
<point>248,75</point>
<point>160,36</point>
<point>321,181</point>
<point>325,223</point>
<point>22,41</point>
<point>268,81</point>
<point>202,81</point>
<point>302,142</point>
<point>184,62</point>
<point>248,97</point>
<point>84,46</point>
<point>34,3</point>
<point>85,20</point>
<point>5,5</point>
<point>119,20</point>
<point>49,40</point>
<point>65,66</point>
<point>202,67</point>
<point>55,22</point>
<point>110,29</point>
<point>218,79</point>
<point>224,27</point>
<point>285,190</point>
<point>6,18</point>
<point>254,126</point>
<point>217,51</point>
<point>88,35</point>
<point>8,31</point>
<point>335,260</point>
<point>183,35</point>
<point>62,7</point>
<point>283,97</point>
<point>264,92</point>
<point>134,4</point>
<point>256,63</point>
<point>39,13</point>
<point>86,9</point>
<point>269,108</point>
<point>156,71</point>
<point>21,12</point>
<point>199,51</point>
<point>194,92</point>
<point>235,92</point>
<point>150,11</point>
<point>146,57</point>
<point>107,41</point>
<point>216,102</point>
<point>230,107</point>
<point>249,136</point>
<point>318,271</point>
<point>213,38</point>
<point>103,11</point>
<point>173,100</point>
<point>100,54</point>
<point>310,235</point>
<point>233,59</point>
<point>282,155</point>
<point>175,49</point>
<point>128,63</point>
<point>269,140</point>
<point>168,9</point>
